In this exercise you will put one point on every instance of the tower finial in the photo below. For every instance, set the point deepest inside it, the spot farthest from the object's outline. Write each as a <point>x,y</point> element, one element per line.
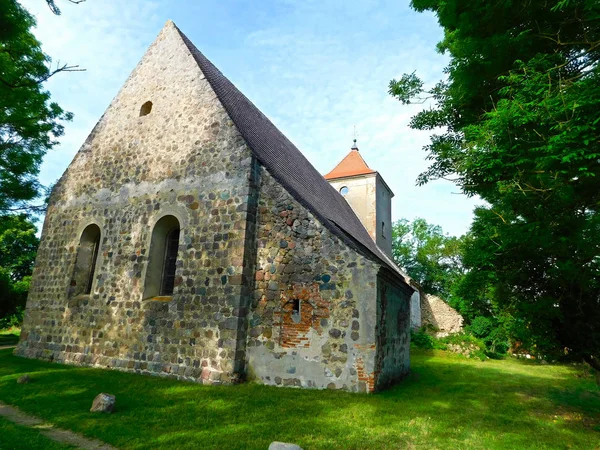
<point>354,146</point>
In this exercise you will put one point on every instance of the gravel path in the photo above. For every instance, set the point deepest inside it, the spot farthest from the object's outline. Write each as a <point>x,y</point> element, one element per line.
<point>48,430</point>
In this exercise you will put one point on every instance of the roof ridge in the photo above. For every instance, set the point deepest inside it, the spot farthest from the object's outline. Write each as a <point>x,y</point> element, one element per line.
<point>286,163</point>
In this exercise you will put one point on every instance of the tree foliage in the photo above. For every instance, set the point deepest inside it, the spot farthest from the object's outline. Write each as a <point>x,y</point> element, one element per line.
<point>429,256</point>
<point>29,122</point>
<point>520,114</point>
<point>18,246</point>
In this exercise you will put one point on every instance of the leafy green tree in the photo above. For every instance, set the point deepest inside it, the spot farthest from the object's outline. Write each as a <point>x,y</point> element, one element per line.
<point>520,114</point>
<point>428,255</point>
<point>29,122</point>
<point>18,245</point>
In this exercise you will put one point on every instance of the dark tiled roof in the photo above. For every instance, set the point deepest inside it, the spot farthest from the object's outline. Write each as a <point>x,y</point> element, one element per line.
<point>288,165</point>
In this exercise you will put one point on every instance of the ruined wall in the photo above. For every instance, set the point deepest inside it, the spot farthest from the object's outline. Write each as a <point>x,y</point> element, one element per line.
<point>330,341</point>
<point>186,159</point>
<point>393,330</point>
<point>441,316</point>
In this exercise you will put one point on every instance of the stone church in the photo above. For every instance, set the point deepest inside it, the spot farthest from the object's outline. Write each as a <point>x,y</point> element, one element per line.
<point>190,238</point>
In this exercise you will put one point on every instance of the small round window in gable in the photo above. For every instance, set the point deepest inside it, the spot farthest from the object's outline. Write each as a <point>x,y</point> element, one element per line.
<point>344,190</point>
<point>146,109</point>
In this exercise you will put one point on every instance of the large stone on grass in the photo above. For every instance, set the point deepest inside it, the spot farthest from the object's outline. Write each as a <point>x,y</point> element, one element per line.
<point>23,379</point>
<point>103,403</point>
<point>283,446</point>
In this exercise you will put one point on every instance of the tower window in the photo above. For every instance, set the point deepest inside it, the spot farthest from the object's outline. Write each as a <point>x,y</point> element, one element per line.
<point>344,190</point>
<point>85,262</point>
<point>162,258</point>
<point>383,229</point>
<point>146,109</point>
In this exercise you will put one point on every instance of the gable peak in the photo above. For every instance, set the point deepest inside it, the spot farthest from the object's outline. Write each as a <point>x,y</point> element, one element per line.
<point>352,165</point>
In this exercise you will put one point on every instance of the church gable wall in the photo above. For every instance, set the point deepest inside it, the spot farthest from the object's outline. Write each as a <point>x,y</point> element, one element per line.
<point>186,159</point>
<point>313,316</point>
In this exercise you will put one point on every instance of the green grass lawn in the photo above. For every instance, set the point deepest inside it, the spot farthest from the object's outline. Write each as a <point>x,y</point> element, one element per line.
<point>448,402</point>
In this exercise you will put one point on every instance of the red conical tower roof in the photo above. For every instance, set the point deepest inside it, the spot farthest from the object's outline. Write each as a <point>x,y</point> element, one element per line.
<point>353,164</point>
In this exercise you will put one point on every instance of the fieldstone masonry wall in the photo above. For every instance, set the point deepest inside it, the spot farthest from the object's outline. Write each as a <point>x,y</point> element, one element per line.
<point>331,342</point>
<point>262,289</point>
<point>393,330</point>
<point>185,159</point>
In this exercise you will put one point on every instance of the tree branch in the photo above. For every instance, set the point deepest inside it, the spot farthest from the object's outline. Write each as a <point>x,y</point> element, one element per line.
<point>56,10</point>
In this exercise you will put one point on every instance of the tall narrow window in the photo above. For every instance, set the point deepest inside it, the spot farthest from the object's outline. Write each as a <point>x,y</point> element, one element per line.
<point>85,261</point>
<point>162,258</point>
<point>383,229</point>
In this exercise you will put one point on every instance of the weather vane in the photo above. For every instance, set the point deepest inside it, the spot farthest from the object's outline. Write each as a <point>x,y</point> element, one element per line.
<point>354,146</point>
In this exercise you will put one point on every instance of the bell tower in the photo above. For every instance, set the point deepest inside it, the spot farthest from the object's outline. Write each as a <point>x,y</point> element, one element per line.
<point>368,195</point>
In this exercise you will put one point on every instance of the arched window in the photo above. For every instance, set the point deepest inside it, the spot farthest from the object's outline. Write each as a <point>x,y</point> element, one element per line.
<point>146,109</point>
<point>162,258</point>
<point>85,262</point>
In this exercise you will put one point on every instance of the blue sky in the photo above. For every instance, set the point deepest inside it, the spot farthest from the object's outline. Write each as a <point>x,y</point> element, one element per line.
<point>316,68</point>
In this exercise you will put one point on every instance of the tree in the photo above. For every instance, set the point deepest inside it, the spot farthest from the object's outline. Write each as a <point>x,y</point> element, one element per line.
<point>18,245</point>
<point>520,113</point>
<point>29,122</point>
<point>429,256</point>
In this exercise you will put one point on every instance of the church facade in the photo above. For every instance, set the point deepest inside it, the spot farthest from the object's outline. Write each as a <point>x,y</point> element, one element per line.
<point>190,238</point>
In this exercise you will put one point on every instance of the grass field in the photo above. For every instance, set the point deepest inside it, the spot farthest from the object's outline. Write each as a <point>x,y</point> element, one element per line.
<point>448,402</point>
<point>9,336</point>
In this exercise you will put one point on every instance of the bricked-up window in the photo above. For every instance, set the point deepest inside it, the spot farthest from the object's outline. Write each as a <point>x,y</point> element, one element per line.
<point>146,109</point>
<point>162,258</point>
<point>85,261</point>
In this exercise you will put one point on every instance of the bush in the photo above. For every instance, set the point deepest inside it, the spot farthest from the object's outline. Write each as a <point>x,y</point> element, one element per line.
<point>465,344</point>
<point>497,342</point>
<point>421,339</point>
<point>480,327</point>
<point>12,320</point>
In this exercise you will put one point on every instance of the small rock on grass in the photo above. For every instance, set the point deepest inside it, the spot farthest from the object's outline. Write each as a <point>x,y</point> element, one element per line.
<point>283,446</point>
<point>103,403</point>
<point>23,379</point>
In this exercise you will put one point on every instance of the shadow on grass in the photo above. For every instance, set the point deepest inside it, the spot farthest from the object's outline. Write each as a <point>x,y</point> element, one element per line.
<point>446,402</point>
<point>8,339</point>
